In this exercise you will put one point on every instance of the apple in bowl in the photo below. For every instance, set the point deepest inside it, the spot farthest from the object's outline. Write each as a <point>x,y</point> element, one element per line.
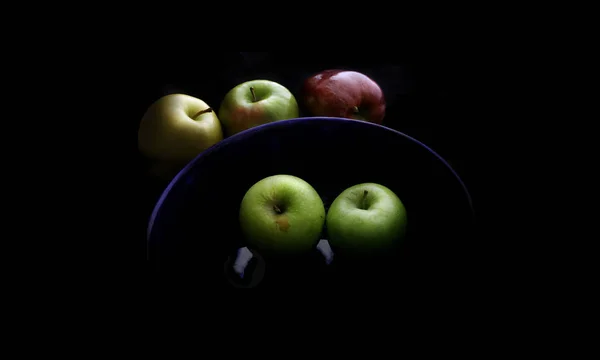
<point>346,94</point>
<point>367,218</point>
<point>282,214</point>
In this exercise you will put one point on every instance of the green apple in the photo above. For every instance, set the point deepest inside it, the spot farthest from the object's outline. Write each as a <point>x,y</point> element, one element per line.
<point>176,128</point>
<point>366,218</point>
<point>255,103</point>
<point>282,214</point>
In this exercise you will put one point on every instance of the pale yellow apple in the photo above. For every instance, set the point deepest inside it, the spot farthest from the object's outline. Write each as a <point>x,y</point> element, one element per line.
<point>176,128</point>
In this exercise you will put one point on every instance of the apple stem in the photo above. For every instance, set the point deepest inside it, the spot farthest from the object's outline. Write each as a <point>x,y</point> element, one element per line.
<point>355,109</point>
<point>253,93</point>
<point>362,202</point>
<point>277,209</point>
<point>202,112</point>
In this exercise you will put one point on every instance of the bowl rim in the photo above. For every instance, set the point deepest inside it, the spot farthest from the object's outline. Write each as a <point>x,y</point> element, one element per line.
<point>259,128</point>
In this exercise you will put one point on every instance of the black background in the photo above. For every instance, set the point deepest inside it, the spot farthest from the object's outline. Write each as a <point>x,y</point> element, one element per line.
<point>445,103</point>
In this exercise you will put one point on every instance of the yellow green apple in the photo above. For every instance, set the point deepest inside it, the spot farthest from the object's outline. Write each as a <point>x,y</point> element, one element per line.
<point>176,128</point>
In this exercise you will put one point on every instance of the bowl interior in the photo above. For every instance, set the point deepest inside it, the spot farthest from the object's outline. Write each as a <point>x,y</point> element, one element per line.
<point>194,229</point>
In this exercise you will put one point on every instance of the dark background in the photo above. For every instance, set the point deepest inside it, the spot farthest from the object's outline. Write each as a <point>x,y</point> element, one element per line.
<point>441,101</point>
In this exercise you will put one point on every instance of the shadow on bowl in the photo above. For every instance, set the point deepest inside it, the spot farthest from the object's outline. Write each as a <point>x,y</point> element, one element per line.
<point>194,235</point>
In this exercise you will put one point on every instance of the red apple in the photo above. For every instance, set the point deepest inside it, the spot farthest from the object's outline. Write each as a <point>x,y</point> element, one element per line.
<point>342,93</point>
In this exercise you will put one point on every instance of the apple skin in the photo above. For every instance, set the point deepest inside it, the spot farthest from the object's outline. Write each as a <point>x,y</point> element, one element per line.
<point>170,133</point>
<point>282,215</point>
<point>239,111</point>
<point>342,93</point>
<point>367,224</point>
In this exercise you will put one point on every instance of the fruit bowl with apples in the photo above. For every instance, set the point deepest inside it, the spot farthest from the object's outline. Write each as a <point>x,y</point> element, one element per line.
<point>314,202</point>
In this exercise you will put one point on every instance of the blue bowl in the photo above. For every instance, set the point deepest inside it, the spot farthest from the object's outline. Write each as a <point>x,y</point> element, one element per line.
<point>193,232</point>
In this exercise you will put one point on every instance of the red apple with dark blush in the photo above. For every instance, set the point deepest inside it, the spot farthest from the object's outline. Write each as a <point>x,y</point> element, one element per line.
<point>343,93</point>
